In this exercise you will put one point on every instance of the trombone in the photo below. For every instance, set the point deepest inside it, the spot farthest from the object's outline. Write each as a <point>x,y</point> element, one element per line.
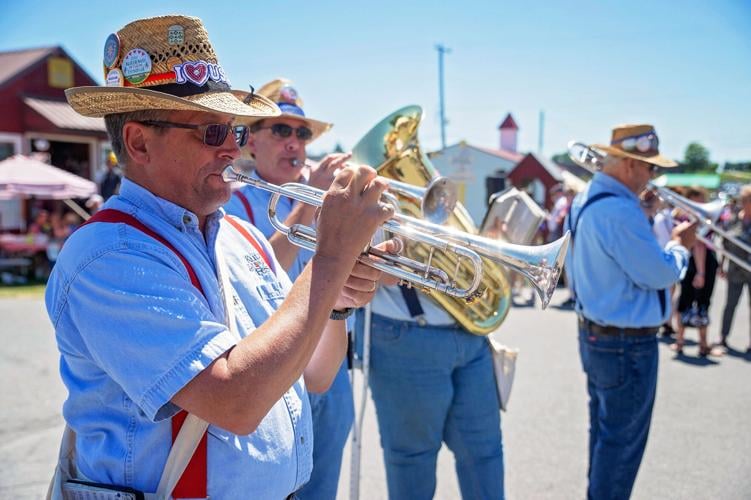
<point>705,214</point>
<point>542,265</point>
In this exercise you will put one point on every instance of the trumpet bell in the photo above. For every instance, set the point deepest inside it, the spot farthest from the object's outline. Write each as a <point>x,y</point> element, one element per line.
<point>439,200</point>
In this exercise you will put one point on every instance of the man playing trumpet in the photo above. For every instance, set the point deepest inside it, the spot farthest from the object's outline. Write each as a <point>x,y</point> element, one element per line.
<point>163,305</point>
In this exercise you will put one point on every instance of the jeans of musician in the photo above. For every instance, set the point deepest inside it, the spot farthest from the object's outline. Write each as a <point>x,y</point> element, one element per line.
<point>432,385</point>
<point>735,289</point>
<point>622,381</point>
<point>333,414</point>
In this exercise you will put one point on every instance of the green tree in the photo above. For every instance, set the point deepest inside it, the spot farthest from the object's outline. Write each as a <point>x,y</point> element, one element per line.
<point>696,159</point>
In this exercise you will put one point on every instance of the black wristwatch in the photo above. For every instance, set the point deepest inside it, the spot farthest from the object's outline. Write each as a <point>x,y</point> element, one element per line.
<point>338,315</point>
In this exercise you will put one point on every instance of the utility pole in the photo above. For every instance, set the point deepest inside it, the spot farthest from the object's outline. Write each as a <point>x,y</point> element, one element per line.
<point>441,51</point>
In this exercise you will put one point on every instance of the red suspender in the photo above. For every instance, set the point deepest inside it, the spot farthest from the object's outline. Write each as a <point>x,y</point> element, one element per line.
<point>244,200</point>
<point>192,483</point>
<point>250,239</point>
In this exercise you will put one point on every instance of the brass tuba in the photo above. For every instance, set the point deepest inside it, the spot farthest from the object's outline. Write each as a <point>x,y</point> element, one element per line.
<point>391,147</point>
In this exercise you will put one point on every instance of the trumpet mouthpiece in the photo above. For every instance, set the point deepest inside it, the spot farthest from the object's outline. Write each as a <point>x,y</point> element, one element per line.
<point>229,174</point>
<point>294,162</point>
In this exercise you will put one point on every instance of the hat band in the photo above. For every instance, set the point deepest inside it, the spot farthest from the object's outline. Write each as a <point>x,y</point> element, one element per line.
<point>189,89</point>
<point>290,108</point>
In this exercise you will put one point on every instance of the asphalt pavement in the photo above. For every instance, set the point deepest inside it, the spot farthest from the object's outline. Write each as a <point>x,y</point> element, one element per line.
<point>698,446</point>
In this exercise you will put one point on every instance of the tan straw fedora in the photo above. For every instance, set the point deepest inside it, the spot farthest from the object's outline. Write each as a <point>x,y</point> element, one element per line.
<point>165,63</point>
<point>281,92</point>
<point>636,141</point>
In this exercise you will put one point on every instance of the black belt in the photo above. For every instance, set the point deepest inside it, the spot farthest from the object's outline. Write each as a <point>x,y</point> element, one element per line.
<point>616,330</point>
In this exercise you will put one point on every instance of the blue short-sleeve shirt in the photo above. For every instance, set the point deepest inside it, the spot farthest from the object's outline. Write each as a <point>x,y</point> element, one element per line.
<point>258,199</point>
<point>132,331</point>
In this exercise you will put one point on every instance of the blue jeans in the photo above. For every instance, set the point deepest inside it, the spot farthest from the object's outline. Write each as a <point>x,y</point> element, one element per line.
<point>432,385</point>
<point>622,381</point>
<point>333,413</point>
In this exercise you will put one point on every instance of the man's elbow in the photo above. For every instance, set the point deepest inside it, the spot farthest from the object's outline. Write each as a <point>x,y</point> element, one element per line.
<point>241,427</point>
<point>318,385</point>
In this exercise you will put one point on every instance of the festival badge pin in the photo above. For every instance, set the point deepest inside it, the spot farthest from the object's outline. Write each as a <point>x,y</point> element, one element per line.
<point>175,35</point>
<point>288,94</point>
<point>111,51</point>
<point>136,66</point>
<point>114,78</point>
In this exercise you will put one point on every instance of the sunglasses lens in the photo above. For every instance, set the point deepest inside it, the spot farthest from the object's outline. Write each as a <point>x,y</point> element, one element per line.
<point>282,130</point>
<point>304,133</point>
<point>241,135</point>
<point>629,144</point>
<point>215,134</point>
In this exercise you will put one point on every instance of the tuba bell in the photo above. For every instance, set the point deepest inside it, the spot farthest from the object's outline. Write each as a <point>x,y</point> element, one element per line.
<point>391,147</point>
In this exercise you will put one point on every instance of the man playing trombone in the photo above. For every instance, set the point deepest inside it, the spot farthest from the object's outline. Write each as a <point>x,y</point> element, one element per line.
<point>277,145</point>
<point>620,276</point>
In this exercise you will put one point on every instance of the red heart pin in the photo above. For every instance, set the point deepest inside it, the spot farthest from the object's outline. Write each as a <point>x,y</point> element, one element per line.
<point>197,72</point>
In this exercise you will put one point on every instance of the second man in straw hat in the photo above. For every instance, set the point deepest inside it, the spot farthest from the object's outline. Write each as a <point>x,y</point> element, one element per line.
<point>278,147</point>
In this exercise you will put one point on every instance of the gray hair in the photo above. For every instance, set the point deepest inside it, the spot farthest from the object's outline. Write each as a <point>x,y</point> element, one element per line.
<point>115,124</point>
<point>611,161</point>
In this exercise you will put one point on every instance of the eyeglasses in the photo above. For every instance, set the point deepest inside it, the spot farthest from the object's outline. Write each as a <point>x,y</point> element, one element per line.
<point>214,134</point>
<point>643,143</point>
<point>283,130</point>
<point>653,169</point>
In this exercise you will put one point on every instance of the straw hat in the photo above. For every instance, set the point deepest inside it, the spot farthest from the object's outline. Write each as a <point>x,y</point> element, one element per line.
<point>638,142</point>
<point>286,97</point>
<point>163,63</point>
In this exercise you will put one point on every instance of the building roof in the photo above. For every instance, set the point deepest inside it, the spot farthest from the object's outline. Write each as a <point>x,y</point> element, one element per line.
<point>61,115</point>
<point>506,155</point>
<point>552,168</point>
<point>15,61</point>
<point>508,122</point>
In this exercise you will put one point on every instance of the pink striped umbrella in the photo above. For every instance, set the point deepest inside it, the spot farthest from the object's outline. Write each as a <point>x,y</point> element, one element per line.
<point>21,176</point>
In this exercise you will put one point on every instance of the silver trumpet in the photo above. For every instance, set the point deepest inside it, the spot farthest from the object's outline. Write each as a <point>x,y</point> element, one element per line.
<point>542,265</point>
<point>705,214</point>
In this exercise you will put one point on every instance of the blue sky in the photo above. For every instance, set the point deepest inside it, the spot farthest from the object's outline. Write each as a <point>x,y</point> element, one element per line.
<point>589,64</point>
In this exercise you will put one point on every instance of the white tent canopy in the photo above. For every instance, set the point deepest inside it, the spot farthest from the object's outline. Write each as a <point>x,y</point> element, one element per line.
<point>21,176</point>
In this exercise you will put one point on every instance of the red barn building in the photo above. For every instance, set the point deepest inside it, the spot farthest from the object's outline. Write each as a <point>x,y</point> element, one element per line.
<point>36,118</point>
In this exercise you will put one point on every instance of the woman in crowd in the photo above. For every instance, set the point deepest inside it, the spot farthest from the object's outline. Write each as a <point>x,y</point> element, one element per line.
<point>696,288</point>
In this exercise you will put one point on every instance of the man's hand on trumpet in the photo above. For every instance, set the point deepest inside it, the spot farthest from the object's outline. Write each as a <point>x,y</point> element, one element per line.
<point>364,280</point>
<point>351,213</point>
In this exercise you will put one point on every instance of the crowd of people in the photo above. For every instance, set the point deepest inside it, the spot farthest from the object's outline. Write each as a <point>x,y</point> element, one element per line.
<point>184,321</point>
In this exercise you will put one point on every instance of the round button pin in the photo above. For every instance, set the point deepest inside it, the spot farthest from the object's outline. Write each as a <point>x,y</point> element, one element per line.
<point>111,50</point>
<point>136,66</point>
<point>114,78</point>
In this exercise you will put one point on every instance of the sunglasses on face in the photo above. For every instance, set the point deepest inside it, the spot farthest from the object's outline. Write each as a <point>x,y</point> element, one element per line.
<point>642,143</point>
<point>284,131</point>
<point>653,169</point>
<point>214,134</point>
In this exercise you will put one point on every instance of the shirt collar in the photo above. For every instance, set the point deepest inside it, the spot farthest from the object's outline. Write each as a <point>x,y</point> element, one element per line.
<point>177,216</point>
<point>604,182</point>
